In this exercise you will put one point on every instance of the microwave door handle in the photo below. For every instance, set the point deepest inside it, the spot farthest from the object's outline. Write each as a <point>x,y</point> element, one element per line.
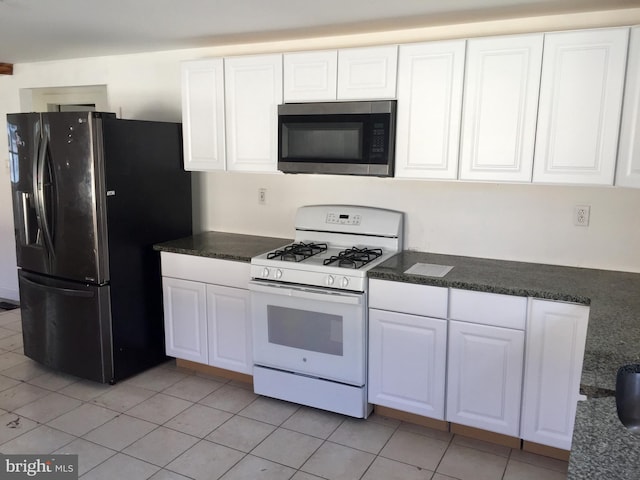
<point>308,294</point>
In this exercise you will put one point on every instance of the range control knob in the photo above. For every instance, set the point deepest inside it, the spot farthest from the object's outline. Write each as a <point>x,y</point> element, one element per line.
<point>265,272</point>
<point>344,282</point>
<point>330,280</point>
<point>278,273</point>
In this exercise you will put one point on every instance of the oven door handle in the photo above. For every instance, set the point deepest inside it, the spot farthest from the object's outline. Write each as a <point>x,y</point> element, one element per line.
<point>308,293</point>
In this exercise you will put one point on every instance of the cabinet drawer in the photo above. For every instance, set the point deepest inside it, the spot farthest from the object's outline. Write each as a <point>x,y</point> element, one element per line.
<point>488,308</point>
<point>205,269</point>
<point>412,298</point>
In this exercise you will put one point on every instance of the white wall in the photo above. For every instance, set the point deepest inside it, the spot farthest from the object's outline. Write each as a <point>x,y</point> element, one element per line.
<point>524,222</point>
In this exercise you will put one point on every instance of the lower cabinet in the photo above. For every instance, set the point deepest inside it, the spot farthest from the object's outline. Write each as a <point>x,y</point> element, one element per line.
<point>407,360</point>
<point>484,378</point>
<point>229,328</point>
<point>185,319</point>
<point>205,322</point>
<point>556,336</point>
<point>500,363</point>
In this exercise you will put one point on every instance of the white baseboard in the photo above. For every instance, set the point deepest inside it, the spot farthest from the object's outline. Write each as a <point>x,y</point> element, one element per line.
<point>9,294</point>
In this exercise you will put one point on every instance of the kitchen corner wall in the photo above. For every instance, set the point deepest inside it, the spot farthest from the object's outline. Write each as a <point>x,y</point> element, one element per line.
<point>506,221</point>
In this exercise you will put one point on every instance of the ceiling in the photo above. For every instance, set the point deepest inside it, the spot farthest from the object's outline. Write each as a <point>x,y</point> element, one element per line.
<point>37,30</point>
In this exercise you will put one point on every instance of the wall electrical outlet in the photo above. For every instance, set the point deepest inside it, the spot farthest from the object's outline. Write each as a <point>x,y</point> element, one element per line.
<point>262,196</point>
<point>581,215</point>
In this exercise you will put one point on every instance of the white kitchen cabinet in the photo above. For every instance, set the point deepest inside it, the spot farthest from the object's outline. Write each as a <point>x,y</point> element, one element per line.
<point>253,91</point>
<point>185,325</point>
<point>367,73</point>
<point>580,105</point>
<point>484,378</point>
<point>628,170</point>
<point>407,347</point>
<point>430,77</point>
<point>407,362</point>
<point>207,311</point>
<point>229,328</point>
<point>556,336</point>
<point>485,360</point>
<point>310,76</point>
<point>499,108</point>
<point>203,114</point>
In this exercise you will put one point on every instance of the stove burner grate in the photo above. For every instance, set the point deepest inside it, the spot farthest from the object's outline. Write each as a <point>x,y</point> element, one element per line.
<point>297,252</point>
<point>353,257</point>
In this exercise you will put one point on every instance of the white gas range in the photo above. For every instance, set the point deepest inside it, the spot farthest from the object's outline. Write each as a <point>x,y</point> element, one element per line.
<point>309,306</point>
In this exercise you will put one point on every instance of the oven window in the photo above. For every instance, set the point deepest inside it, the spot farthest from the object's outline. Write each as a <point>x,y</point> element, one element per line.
<point>337,141</point>
<point>312,331</point>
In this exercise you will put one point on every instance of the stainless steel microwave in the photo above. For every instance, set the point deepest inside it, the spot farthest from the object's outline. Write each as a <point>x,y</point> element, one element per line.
<point>344,138</point>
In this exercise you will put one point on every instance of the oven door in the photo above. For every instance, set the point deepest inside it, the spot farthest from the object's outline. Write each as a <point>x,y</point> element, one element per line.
<point>310,331</point>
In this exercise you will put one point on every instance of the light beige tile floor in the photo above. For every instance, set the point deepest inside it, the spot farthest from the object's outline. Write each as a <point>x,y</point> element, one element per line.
<point>170,424</point>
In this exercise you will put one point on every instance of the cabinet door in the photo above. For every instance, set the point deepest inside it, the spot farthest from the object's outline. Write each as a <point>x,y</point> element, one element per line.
<point>556,335</point>
<point>628,173</point>
<point>407,360</point>
<point>500,105</point>
<point>367,73</point>
<point>484,380</point>
<point>429,108</point>
<point>580,105</point>
<point>310,76</point>
<point>185,323</point>
<point>253,91</point>
<point>229,327</point>
<point>203,114</point>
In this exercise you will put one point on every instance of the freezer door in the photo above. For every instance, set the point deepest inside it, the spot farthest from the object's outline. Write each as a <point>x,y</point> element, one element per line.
<point>67,326</point>
<point>25,140</point>
<point>75,210</point>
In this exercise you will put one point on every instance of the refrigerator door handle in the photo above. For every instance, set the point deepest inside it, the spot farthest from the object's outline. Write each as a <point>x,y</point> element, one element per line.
<point>24,197</point>
<point>70,292</point>
<point>41,207</point>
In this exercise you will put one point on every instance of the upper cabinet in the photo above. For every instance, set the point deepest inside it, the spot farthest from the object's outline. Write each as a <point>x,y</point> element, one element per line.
<point>203,114</point>
<point>500,107</point>
<point>252,93</point>
<point>628,172</point>
<point>347,74</point>
<point>367,73</point>
<point>310,76</point>
<point>430,79</point>
<point>580,105</point>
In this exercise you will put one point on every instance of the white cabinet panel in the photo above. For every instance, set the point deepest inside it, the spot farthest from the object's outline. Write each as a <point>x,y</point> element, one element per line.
<point>403,297</point>
<point>185,324</point>
<point>500,106</point>
<point>310,76</point>
<point>484,379</point>
<point>203,114</point>
<point>556,335</point>
<point>507,311</point>
<point>628,171</point>
<point>204,269</point>
<point>367,73</point>
<point>430,79</point>
<point>253,91</point>
<point>229,328</point>
<point>580,105</point>
<point>407,361</point>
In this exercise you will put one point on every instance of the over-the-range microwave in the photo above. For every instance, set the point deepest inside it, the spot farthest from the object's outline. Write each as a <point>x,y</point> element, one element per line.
<point>346,138</point>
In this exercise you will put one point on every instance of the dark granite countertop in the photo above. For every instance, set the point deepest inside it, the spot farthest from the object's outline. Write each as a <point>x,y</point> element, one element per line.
<point>602,447</point>
<point>226,246</point>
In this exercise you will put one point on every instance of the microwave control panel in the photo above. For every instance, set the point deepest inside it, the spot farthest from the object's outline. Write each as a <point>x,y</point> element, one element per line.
<point>343,219</point>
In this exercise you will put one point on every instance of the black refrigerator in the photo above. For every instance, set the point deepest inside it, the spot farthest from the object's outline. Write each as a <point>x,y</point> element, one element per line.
<point>91,195</point>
